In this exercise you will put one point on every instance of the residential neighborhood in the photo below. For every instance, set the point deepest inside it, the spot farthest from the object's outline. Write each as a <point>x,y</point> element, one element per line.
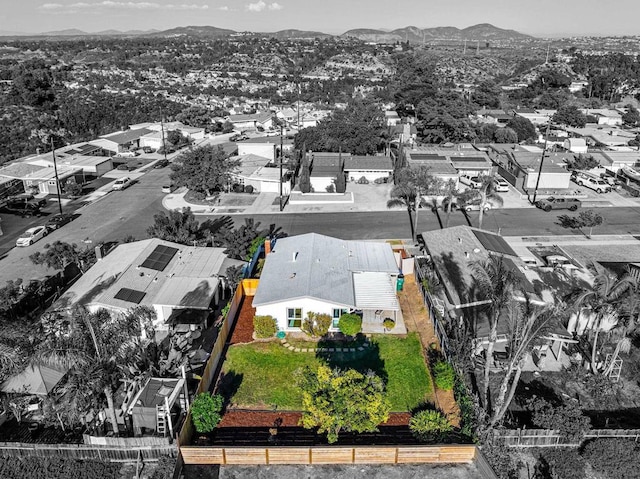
<point>229,253</point>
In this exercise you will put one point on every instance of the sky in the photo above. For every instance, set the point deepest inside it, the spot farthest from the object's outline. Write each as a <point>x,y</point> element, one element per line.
<point>538,17</point>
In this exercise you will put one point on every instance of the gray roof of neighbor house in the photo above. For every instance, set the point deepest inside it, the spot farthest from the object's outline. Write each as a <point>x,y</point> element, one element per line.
<point>123,137</point>
<point>454,250</point>
<point>259,117</point>
<point>150,272</point>
<point>368,163</point>
<point>320,267</point>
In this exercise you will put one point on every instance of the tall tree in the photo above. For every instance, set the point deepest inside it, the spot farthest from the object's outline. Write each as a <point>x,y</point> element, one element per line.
<point>58,255</point>
<point>495,283</point>
<point>523,128</point>
<point>487,192</point>
<point>204,170</point>
<point>238,241</point>
<point>569,115</point>
<point>177,226</point>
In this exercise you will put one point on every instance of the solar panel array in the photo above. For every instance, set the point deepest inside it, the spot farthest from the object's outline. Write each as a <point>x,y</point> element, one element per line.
<point>130,295</point>
<point>469,159</point>
<point>159,258</point>
<point>493,242</point>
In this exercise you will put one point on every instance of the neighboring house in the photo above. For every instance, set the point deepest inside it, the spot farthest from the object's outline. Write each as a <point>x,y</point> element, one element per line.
<point>41,178</point>
<point>268,147</point>
<point>537,117</point>
<point>575,145</point>
<point>121,141</point>
<point>183,284</point>
<point>370,167</point>
<point>463,158</point>
<point>253,121</point>
<point>392,117</point>
<point>325,168</point>
<point>405,133</point>
<point>605,116</point>
<point>452,253</point>
<point>610,136</point>
<point>321,274</point>
<point>520,167</point>
<point>262,174</point>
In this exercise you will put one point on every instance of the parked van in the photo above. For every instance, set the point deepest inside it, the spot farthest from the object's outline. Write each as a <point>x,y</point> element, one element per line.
<point>590,180</point>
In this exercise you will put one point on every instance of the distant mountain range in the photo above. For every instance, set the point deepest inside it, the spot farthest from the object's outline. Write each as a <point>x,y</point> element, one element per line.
<point>481,32</point>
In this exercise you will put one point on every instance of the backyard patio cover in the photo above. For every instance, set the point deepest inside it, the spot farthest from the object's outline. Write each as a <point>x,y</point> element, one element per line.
<point>38,380</point>
<point>375,291</point>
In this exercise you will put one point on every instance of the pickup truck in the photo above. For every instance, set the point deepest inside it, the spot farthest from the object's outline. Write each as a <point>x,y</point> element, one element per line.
<point>553,203</point>
<point>24,207</point>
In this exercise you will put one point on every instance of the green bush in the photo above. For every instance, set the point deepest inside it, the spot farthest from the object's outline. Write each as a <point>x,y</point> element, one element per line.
<point>206,412</point>
<point>350,324</point>
<point>501,461</point>
<point>612,457</point>
<point>567,419</point>
<point>316,324</point>
<point>389,323</point>
<point>467,408</point>
<point>57,468</point>
<point>264,326</point>
<point>444,375</point>
<point>164,469</point>
<point>72,188</point>
<point>560,464</point>
<point>429,425</point>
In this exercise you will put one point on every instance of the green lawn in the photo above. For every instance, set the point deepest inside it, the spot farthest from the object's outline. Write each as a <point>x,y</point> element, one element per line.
<point>260,374</point>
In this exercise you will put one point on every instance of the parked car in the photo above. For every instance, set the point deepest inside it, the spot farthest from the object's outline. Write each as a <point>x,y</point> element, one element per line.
<point>472,181</point>
<point>31,236</point>
<point>147,149</point>
<point>123,167</point>
<point>161,163</point>
<point>127,154</point>
<point>590,181</point>
<point>122,183</point>
<point>168,188</point>
<point>502,186</point>
<point>473,205</point>
<point>23,207</point>
<point>57,221</point>
<point>554,203</point>
<point>611,181</point>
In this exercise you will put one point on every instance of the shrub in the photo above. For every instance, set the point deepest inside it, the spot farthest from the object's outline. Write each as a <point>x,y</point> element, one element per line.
<point>72,188</point>
<point>248,189</point>
<point>389,323</point>
<point>619,458</point>
<point>264,326</point>
<point>560,464</point>
<point>467,408</point>
<point>567,419</point>
<point>330,188</point>
<point>57,468</point>
<point>164,469</point>
<point>205,412</point>
<point>444,375</point>
<point>316,325</point>
<point>429,425</point>
<point>350,324</point>
<point>501,461</point>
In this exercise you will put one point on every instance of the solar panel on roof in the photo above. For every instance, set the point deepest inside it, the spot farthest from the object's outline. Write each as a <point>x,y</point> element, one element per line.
<point>468,158</point>
<point>159,258</point>
<point>427,156</point>
<point>130,295</point>
<point>493,242</point>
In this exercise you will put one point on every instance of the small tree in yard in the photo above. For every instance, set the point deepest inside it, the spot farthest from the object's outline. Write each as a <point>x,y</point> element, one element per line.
<point>567,419</point>
<point>204,170</point>
<point>585,219</point>
<point>72,188</point>
<point>316,324</point>
<point>429,425</point>
<point>613,457</point>
<point>335,401</point>
<point>206,412</point>
<point>305,175</point>
<point>560,464</point>
<point>239,242</point>
<point>58,255</point>
<point>179,227</point>
<point>264,326</point>
<point>350,324</point>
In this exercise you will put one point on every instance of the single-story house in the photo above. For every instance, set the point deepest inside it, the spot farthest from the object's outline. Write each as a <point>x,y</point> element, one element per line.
<point>605,116</point>
<point>370,167</point>
<point>321,274</point>
<point>268,147</point>
<point>537,117</point>
<point>42,178</point>
<point>252,121</point>
<point>464,158</point>
<point>392,117</point>
<point>121,141</point>
<point>261,173</point>
<point>325,168</point>
<point>168,277</point>
<point>37,380</point>
<point>575,145</point>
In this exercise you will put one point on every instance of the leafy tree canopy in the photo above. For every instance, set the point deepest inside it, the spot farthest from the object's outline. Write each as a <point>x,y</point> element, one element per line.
<point>59,254</point>
<point>570,115</point>
<point>523,128</point>
<point>204,170</point>
<point>177,226</point>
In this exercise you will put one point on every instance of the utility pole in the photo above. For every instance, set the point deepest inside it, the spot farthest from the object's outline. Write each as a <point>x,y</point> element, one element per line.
<point>464,50</point>
<point>281,161</point>
<point>544,151</point>
<point>164,145</point>
<point>55,171</point>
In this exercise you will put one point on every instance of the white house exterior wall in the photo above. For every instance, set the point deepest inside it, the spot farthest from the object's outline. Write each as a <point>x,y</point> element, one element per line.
<point>548,181</point>
<point>319,184</point>
<point>279,310</point>
<point>151,142</point>
<point>371,175</point>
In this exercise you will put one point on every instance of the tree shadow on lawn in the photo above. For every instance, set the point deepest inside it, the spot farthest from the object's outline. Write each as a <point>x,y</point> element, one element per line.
<point>362,361</point>
<point>227,386</point>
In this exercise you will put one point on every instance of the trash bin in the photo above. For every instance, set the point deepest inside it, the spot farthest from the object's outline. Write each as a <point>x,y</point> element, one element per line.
<point>400,282</point>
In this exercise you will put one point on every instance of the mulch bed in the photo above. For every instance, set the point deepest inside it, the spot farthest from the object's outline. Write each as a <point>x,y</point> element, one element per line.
<point>243,329</point>
<point>245,418</point>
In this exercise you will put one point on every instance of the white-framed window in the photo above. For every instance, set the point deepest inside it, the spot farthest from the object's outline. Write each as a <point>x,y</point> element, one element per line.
<point>337,312</point>
<point>294,317</point>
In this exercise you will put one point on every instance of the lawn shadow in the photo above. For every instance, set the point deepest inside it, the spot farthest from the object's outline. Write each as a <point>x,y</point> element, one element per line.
<point>227,386</point>
<point>362,361</point>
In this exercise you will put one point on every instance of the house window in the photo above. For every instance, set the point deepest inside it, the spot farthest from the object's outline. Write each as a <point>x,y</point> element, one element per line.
<point>336,316</point>
<point>294,317</point>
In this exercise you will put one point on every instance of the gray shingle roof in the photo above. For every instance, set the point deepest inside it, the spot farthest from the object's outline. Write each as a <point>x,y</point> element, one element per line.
<point>321,267</point>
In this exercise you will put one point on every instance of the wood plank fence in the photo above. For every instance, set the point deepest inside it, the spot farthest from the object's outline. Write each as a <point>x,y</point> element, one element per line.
<point>551,437</point>
<point>126,441</point>
<point>450,454</point>
<point>110,453</point>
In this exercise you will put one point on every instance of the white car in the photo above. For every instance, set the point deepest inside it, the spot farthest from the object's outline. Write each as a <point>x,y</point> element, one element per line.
<point>31,236</point>
<point>127,154</point>
<point>502,186</point>
<point>472,181</point>
<point>122,183</point>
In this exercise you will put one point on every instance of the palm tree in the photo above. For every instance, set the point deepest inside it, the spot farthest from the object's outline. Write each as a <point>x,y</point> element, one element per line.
<point>602,299</point>
<point>527,327</point>
<point>94,345</point>
<point>404,195</point>
<point>627,326</point>
<point>496,283</point>
<point>450,192</point>
<point>487,191</point>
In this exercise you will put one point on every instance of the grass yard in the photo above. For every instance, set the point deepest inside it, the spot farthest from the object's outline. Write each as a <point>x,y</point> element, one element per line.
<point>259,375</point>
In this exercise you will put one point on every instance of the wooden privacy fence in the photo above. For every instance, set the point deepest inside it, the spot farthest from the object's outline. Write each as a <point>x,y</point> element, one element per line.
<point>126,441</point>
<point>111,453</point>
<point>551,437</point>
<point>216,353</point>
<point>452,454</point>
